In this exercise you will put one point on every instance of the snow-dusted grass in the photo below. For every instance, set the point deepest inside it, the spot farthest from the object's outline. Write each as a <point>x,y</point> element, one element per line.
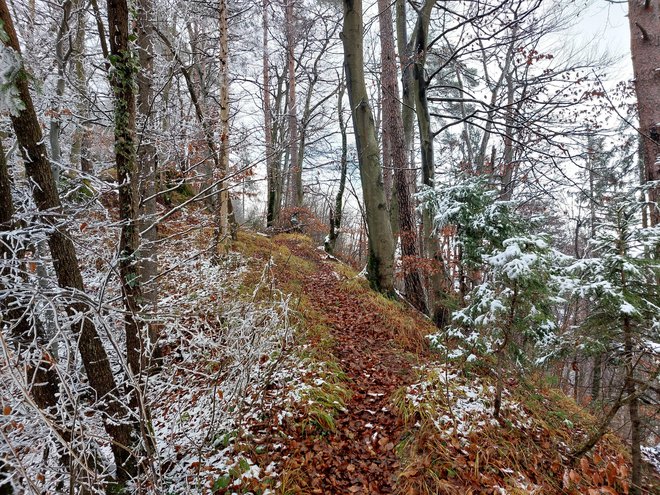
<point>453,443</point>
<point>458,406</point>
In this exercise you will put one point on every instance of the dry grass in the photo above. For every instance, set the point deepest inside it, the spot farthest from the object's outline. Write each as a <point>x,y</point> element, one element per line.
<point>526,452</point>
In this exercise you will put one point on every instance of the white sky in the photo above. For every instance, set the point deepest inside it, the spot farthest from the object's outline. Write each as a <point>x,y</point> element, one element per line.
<point>604,26</point>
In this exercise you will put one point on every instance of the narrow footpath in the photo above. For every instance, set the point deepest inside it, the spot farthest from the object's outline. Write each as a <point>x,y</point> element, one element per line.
<point>360,457</point>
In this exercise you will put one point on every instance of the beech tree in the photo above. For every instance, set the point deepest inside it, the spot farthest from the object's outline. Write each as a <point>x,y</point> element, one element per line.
<point>380,267</point>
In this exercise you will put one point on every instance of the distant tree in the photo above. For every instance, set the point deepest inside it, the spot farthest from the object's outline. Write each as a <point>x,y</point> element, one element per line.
<point>336,210</point>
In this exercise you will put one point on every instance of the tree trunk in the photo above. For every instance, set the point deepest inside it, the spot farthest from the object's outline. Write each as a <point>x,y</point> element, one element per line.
<point>295,168</point>
<point>507,184</point>
<point>380,267</point>
<point>395,135</point>
<point>223,192</point>
<point>279,147</point>
<point>80,145</point>
<point>122,81</point>
<point>272,165</point>
<point>417,79</point>
<point>633,407</point>
<point>644,18</point>
<point>147,164</point>
<point>93,354</point>
<point>55,118</point>
<point>336,212</point>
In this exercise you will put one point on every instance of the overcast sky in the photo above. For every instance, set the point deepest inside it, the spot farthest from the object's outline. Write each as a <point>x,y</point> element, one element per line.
<point>605,26</point>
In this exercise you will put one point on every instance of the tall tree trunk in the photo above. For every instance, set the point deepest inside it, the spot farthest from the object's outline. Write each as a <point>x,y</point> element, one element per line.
<point>80,145</point>
<point>272,165</point>
<point>417,48</point>
<point>644,18</point>
<point>92,352</point>
<point>147,164</point>
<point>122,81</point>
<point>295,168</point>
<point>279,147</point>
<point>404,49</point>
<point>223,194</point>
<point>56,110</point>
<point>380,267</point>
<point>395,135</point>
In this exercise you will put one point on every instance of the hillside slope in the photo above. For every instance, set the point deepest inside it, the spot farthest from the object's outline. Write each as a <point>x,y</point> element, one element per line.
<point>379,413</point>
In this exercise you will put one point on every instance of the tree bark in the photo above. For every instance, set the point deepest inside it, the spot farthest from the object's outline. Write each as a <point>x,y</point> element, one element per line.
<point>122,81</point>
<point>147,171</point>
<point>55,131</point>
<point>295,168</point>
<point>272,165</point>
<point>396,140</point>
<point>644,19</point>
<point>223,193</point>
<point>80,145</point>
<point>93,354</point>
<point>336,212</point>
<point>380,267</point>
<point>418,83</point>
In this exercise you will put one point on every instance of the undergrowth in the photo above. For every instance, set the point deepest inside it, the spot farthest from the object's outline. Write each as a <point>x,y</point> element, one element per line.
<point>453,445</point>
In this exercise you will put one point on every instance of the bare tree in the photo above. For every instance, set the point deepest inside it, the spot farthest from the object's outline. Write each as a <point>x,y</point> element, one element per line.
<point>393,133</point>
<point>147,166</point>
<point>295,167</point>
<point>94,356</point>
<point>380,267</point>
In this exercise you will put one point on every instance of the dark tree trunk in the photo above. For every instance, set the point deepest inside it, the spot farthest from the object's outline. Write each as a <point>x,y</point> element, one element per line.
<point>122,81</point>
<point>272,165</point>
<point>396,140</point>
<point>336,212</point>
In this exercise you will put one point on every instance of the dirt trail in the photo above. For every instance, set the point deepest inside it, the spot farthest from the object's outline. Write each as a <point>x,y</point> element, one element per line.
<point>360,457</point>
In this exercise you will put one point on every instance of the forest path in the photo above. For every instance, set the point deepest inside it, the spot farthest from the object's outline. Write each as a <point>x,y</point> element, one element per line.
<point>360,455</point>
